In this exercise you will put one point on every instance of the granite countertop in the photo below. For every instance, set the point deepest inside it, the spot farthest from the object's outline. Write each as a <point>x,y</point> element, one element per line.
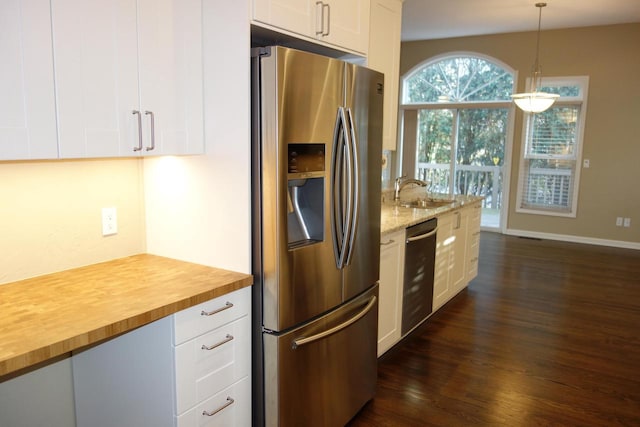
<point>51,315</point>
<point>394,217</point>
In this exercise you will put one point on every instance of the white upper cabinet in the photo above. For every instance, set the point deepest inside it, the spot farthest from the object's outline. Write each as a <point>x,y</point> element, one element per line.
<point>384,56</point>
<point>27,105</point>
<point>128,77</point>
<point>346,23</point>
<point>340,23</point>
<point>96,76</point>
<point>297,16</point>
<point>171,76</point>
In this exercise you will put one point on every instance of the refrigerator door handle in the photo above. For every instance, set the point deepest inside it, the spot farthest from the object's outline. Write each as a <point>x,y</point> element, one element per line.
<point>340,218</point>
<point>306,340</point>
<point>350,187</point>
<point>354,193</point>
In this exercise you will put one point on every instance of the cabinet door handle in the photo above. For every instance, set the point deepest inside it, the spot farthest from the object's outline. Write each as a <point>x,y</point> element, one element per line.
<point>139,147</point>
<point>212,413</point>
<point>387,243</point>
<point>218,344</point>
<point>328,6</point>
<point>227,306</point>
<point>320,28</point>
<point>153,131</point>
<point>321,31</point>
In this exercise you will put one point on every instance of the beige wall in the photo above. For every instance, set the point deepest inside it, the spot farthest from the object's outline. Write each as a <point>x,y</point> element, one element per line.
<point>610,56</point>
<point>50,214</point>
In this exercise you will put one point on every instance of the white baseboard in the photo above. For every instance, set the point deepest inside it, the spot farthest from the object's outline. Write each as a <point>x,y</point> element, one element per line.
<point>573,239</point>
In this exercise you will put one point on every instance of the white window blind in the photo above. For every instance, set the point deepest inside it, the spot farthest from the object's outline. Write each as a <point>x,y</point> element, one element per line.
<point>549,167</point>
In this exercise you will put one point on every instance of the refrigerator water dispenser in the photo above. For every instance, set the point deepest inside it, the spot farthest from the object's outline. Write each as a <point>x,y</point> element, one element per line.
<point>305,212</point>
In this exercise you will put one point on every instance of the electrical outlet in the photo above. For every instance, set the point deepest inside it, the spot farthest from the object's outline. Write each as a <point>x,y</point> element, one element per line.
<point>109,221</point>
<point>619,221</point>
<point>585,163</point>
<point>627,222</point>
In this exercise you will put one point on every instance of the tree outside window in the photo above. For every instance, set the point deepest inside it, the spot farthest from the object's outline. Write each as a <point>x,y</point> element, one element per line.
<point>462,104</point>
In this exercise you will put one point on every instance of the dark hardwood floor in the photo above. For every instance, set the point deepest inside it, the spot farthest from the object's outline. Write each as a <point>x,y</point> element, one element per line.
<point>548,334</point>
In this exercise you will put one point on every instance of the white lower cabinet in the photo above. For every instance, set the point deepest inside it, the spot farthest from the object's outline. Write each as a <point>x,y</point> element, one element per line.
<point>473,241</point>
<point>456,264</point>
<point>457,273</point>
<point>443,263</point>
<point>229,407</point>
<point>188,369</point>
<point>207,364</point>
<point>390,293</point>
<point>457,250</point>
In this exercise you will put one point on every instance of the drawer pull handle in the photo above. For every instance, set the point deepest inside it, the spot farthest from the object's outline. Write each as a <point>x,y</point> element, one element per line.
<point>211,347</point>
<point>212,413</point>
<point>227,306</point>
<point>387,243</point>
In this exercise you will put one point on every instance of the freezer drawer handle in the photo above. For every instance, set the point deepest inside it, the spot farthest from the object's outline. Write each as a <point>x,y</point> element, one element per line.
<point>216,345</point>
<point>422,236</point>
<point>212,413</point>
<point>227,306</point>
<point>302,341</point>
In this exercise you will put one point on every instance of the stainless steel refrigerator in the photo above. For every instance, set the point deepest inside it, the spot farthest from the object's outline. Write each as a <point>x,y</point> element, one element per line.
<point>316,236</point>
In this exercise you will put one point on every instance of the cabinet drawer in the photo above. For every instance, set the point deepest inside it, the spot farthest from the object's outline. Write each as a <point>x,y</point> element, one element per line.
<point>233,406</point>
<point>194,321</point>
<point>207,364</point>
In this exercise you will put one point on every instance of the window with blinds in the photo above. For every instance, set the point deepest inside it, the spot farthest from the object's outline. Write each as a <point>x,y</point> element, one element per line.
<point>552,145</point>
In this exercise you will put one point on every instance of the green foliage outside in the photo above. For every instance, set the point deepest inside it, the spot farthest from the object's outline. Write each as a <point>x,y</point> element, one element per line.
<point>481,132</point>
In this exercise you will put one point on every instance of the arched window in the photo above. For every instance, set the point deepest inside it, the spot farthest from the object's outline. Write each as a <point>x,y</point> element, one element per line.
<point>456,111</point>
<point>460,78</point>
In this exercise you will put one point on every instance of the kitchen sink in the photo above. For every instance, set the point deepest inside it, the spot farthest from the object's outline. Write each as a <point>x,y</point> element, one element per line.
<point>425,203</point>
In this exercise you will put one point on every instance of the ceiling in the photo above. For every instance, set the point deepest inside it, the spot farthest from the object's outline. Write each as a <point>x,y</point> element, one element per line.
<point>436,19</point>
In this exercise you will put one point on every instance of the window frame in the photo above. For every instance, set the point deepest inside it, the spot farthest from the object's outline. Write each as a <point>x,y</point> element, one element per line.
<point>581,101</point>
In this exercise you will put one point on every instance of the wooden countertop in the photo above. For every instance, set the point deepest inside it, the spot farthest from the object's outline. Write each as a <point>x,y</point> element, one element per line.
<point>48,316</point>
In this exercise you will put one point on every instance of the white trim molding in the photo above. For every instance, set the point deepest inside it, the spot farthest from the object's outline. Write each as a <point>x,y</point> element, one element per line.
<point>574,239</point>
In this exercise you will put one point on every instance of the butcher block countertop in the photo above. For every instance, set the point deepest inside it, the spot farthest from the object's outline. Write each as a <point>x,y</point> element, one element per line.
<point>51,315</point>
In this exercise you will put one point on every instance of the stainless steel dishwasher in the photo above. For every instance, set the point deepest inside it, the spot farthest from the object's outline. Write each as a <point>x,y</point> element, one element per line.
<point>420,253</point>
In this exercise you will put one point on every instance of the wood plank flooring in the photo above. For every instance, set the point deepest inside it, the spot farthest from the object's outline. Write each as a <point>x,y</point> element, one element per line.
<point>548,334</point>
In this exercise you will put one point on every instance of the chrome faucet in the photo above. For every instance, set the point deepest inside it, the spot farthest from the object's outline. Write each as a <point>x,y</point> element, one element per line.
<point>401,182</point>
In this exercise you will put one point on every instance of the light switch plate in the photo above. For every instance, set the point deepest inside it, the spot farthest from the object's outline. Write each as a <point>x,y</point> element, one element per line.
<point>109,221</point>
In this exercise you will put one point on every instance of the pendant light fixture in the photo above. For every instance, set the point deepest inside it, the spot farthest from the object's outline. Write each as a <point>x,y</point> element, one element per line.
<point>535,101</point>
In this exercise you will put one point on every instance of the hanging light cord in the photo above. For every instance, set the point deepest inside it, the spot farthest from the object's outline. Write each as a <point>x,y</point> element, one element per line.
<point>537,72</point>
